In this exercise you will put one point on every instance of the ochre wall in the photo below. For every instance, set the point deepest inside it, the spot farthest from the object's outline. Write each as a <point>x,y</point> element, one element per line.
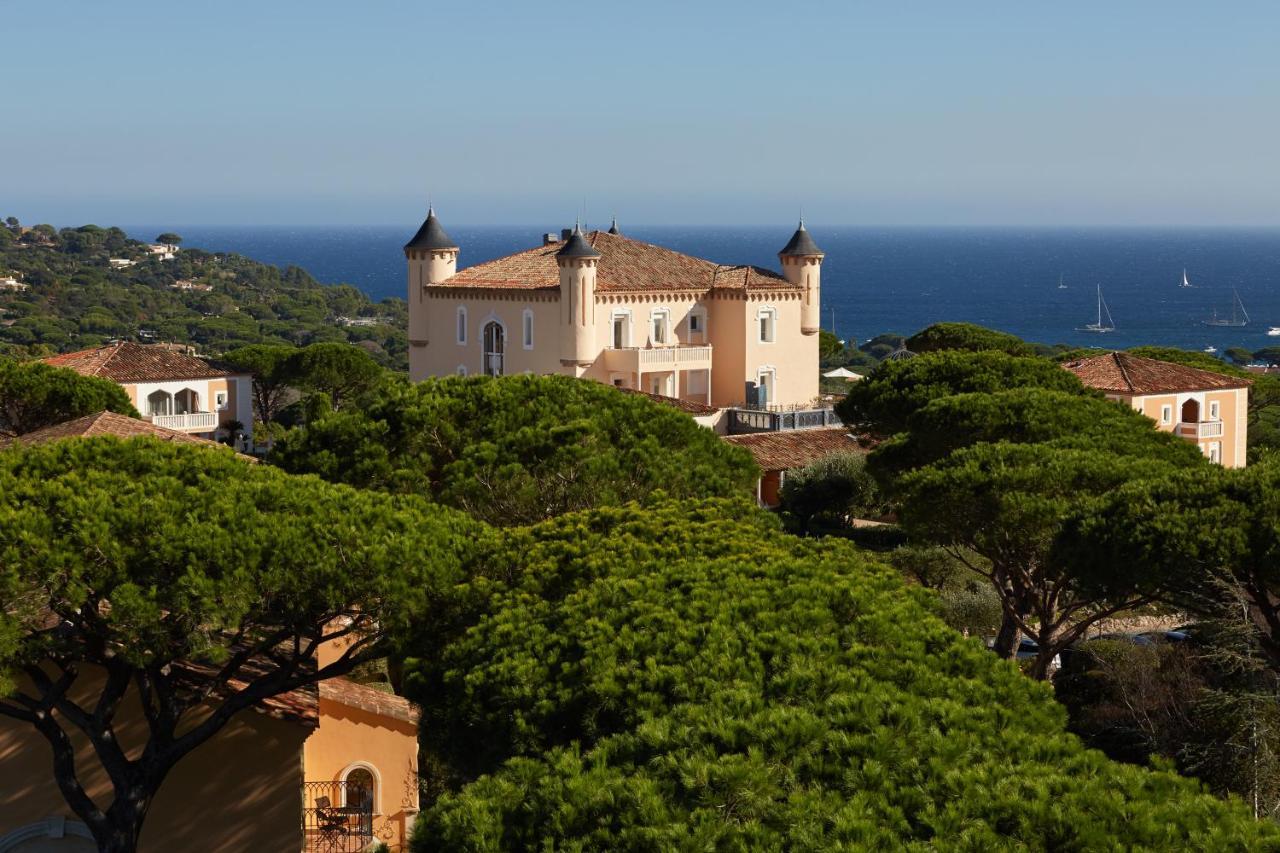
<point>239,791</point>
<point>350,735</point>
<point>1232,411</point>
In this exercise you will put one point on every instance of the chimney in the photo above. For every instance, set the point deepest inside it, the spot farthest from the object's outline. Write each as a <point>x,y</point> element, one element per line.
<point>549,238</point>
<point>566,233</point>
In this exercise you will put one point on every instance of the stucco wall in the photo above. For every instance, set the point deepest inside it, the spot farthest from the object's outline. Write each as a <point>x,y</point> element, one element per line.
<point>389,747</point>
<point>1232,411</point>
<point>239,791</point>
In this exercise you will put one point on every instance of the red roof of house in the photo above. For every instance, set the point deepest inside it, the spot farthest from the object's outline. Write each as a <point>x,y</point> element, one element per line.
<point>130,362</point>
<point>347,692</point>
<point>104,423</point>
<point>687,406</point>
<point>1123,373</point>
<point>625,265</point>
<point>783,451</point>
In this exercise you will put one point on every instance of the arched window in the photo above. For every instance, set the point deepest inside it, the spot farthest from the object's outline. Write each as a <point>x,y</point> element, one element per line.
<point>494,345</point>
<point>1191,411</point>
<point>159,403</point>
<point>361,786</point>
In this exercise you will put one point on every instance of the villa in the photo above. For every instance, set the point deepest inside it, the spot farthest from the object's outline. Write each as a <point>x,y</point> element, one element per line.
<point>603,306</point>
<point>331,768</point>
<point>13,284</point>
<point>171,388</point>
<point>1207,408</point>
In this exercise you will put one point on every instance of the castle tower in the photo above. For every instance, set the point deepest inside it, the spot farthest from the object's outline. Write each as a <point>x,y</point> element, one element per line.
<point>433,257</point>
<point>801,261</point>
<point>577,260</point>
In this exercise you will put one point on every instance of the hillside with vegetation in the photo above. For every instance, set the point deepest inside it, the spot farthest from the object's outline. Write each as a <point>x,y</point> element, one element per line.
<point>76,298</point>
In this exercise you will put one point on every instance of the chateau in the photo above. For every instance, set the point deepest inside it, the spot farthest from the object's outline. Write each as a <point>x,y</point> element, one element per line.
<point>603,306</point>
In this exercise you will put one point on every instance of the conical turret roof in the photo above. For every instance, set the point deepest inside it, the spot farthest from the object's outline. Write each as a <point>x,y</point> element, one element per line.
<point>613,226</point>
<point>801,243</point>
<point>577,246</point>
<point>431,235</point>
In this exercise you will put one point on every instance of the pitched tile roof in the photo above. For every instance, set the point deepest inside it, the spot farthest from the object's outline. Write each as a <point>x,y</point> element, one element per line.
<point>130,362</point>
<point>625,265</point>
<point>688,406</point>
<point>344,691</point>
<point>106,423</point>
<point>1123,373</point>
<point>782,451</point>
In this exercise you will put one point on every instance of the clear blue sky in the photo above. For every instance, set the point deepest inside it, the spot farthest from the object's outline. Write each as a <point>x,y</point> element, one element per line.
<point>891,112</point>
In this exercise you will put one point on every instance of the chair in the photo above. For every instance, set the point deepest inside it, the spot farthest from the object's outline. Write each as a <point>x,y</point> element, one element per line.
<point>331,824</point>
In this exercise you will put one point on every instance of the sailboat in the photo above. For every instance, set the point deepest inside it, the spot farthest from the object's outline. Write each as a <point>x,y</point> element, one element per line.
<point>1239,316</point>
<point>1099,326</point>
<point>1185,282</point>
<point>1061,286</point>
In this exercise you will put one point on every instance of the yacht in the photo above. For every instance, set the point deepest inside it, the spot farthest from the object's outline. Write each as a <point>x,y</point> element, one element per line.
<point>1098,325</point>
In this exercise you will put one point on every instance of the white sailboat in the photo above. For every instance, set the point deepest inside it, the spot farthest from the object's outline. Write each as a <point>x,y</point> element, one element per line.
<point>1061,286</point>
<point>1185,281</point>
<point>1239,316</point>
<point>1099,326</point>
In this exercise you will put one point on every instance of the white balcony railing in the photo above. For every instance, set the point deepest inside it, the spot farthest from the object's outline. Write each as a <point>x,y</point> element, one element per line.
<point>196,421</point>
<point>1200,429</point>
<point>655,359</point>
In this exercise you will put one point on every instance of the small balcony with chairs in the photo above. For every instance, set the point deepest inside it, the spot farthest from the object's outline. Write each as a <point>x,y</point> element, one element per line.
<point>337,817</point>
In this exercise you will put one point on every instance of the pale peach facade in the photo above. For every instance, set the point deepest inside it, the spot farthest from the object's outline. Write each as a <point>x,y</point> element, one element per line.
<point>605,307</point>
<point>1216,421</point>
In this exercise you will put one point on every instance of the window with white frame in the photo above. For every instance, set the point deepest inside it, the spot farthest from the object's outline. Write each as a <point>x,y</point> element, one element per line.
<point>526,326</point>
<point>220,401</point>
<point>1213,411</point>
<point>766,387</point>
<point>768,320</point>
<point>360,788</point>
<point>1215,452</point>
<point>1166,414</point>
<point>660,332</point>
<point>462,324</point>
<point>462,370</point>
<point>697,325</point>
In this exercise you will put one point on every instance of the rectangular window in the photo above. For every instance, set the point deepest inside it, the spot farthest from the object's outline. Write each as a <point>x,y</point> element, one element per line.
<point>1166,414</point>
<point>220,399</point>
<point>1215,452</point>
<point>768,322</point>
<point>659,327</point>
<point>696,383</point>
<point>1213,411</point>
<point>528,330</point>
<point>695,323</point>
<point>619,332</point>
<point>462,325</point>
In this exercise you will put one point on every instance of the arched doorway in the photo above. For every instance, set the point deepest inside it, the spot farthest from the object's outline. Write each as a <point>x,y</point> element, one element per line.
<point>159,403</point>
<point>186,402</point>
<point>1191,411</point>
<point>494,347</point>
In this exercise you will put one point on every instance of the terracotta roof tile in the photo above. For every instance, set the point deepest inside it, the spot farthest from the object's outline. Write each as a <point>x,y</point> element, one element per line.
<point>783,451</point>
<point>344,691</point>
<point>1123,373</point>
<point>687,406</point>
<point>107,423</point>
<point>130,362</point>
<point>625,265</point>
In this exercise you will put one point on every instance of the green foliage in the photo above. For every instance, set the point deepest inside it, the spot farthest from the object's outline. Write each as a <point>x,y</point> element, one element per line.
<point>896,389</point>
<point>829,346</point>
<point>826,494</point>
<point>251,302</point>
<point>1268,355</point>
<point>1238,356</point>
<point>272,378</point>
<point>35,395</point>
<point>517,449</point>
<point>340,371</point>
<point>168,238</point>
<point>684,677</point>
<point>967,336</point>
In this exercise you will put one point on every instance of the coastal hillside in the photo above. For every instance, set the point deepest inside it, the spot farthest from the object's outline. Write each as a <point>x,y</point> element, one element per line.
<point>69,289</point>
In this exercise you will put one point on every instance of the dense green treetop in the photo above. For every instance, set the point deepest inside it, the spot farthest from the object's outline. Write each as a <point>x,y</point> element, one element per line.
<point>1025,416</point>
<point>339,371</point>
<point>78,300</point>
<point>35,395</point>
<point>886,398</point>
<point>966,336</point>
<point>683,676</point>
<point>825,494</point>
<point>517,449</point>
<point>151,555</point>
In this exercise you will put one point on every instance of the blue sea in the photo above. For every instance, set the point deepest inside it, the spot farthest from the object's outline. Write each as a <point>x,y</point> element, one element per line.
<point>891,279</point>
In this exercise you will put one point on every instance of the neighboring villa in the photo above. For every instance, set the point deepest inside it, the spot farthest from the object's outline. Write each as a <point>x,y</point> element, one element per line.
<point>106,423</point>
<point>163,251</point>
<point>170,388</point>
<point>188,284</point>
<point>325,769</point>
<point>603,306</point>
<point>776,453</point>
<point>1209,409</point>
<point>12,284</point>
<point>121,263</point>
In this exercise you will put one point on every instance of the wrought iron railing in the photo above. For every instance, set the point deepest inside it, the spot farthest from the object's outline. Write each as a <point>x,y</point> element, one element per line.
<point>337,817</point>
<point>749,420</point>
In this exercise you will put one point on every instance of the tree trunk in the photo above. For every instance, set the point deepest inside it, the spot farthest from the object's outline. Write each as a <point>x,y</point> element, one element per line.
<point>1006,645</point>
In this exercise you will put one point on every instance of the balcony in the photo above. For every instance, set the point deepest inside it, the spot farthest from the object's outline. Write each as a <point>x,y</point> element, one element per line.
<point>193,421</point>
<point>657,359</point>
<point>744,421</point>
<point>1195,430</point>
<point>337,817</point>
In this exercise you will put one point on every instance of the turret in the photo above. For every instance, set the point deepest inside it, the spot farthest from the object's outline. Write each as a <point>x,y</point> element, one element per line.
<point>802,265</point>
<point>577,260</point>
<point>432,257</point>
